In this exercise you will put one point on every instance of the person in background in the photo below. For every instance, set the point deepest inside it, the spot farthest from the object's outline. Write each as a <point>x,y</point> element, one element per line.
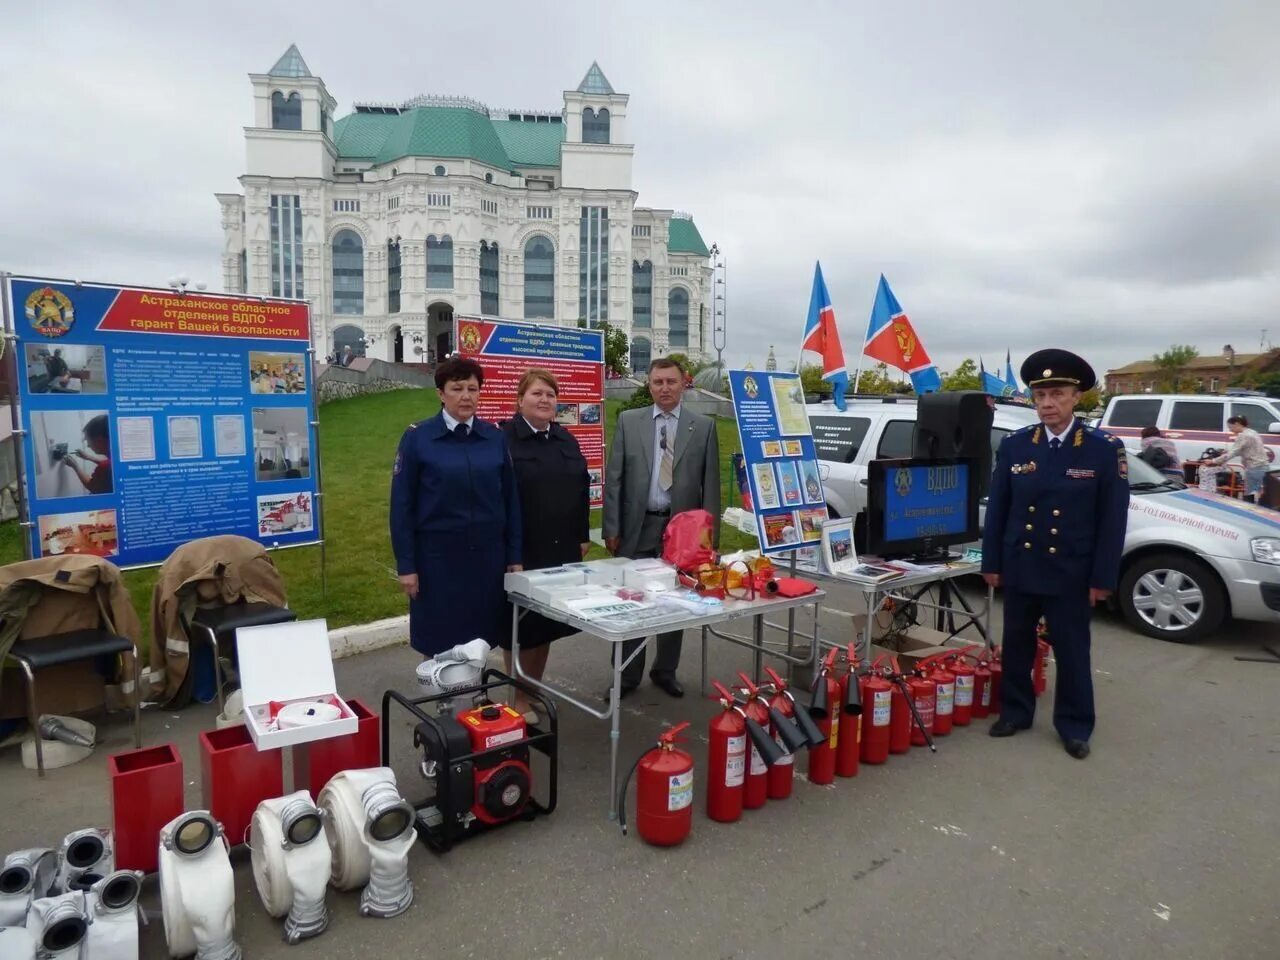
<point>551,475</point>
<point>455,518</point>
<point>1248,446</point>
<point>97,450</point>
<point>347,356</point>
<point>1161,453</point>
<point>57,369</point>
<point>663,460</point>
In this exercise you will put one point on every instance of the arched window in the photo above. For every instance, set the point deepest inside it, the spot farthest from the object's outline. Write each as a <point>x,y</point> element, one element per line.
<point>348,273</point>
<point>539,279</point>
<point>595,125</point>
<point>642,294</point>
<point>393,277</point>
<point>488,178</point>
<point>488,278</point>
<point>440,263</point>
<point>678,317</point>
<point>440,171</point>
<point>286,112</point>
<point>641,354</point>
<point>348,335</point>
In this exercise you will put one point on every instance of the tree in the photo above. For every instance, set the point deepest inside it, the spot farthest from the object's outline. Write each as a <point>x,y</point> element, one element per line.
<point>876,380</point>
<point>811,380</point>
<point>1090,400</point>
<point>616,347</point>
<point>965,377</point>
<point>1172,365</point>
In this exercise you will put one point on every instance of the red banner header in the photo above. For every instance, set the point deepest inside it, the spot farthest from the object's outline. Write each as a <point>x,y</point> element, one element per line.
<point>193,314</point>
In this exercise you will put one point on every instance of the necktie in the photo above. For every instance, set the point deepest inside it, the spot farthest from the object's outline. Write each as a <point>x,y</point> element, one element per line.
<point>461,430</point>
<point>666,468</point>
<point>1054,444</point>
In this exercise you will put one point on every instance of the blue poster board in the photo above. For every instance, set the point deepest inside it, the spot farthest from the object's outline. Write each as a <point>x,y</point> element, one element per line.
<point>152,418</point>
<point>781,462</point>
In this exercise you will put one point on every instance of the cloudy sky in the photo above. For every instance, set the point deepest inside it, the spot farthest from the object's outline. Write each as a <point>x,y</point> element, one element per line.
<point>1098,175</point>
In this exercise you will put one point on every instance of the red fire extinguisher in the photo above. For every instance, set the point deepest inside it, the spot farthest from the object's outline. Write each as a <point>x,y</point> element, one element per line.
<point>899,712</point>
<point>964,672</point>
<point>849,732</point>
<point>1038,679</point>
<point>877,698</point>
<point>756,790</point>
<point>726,759</point>
<point>781,713</point>
<point>823,707</point>
<point>946,681</point>
<point>997,675</point>
<point>924,694</point>
<point>981,684</point>
<point>664,792</point>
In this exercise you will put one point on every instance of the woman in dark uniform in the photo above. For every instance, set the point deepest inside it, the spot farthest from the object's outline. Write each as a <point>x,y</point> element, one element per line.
<point>551,475</point>
<point>455,518</point>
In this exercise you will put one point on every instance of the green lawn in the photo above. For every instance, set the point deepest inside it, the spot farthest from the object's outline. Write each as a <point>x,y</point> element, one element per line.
<point>358,440</point>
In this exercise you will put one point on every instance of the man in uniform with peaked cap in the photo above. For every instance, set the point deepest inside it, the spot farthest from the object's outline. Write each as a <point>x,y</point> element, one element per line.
<point>1052,540</point>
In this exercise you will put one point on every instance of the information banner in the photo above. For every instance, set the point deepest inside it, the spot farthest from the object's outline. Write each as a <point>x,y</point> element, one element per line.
<point>781,462</point>
<point>575,357</point>
<point>153,418</point>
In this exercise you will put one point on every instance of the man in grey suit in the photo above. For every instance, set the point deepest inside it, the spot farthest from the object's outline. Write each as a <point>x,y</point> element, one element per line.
<point>664,459</point>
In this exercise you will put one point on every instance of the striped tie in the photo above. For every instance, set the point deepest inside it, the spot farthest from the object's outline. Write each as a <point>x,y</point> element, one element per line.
<point>666,468</point>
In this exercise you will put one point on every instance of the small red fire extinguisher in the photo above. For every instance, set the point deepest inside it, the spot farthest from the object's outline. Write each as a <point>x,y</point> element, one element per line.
<point>964,673</point>
<point>924,694</point>
<point>1038,678</point>
<point>899,712</point>
<point>756,790</point>
<point>726,759</point>
<point>997,675</point>
<point>823,707</point>
<point>877,698</point>
<point>664,792</point>
<point>849,732</point>
<point>946,681</point>
<point>981,685</point>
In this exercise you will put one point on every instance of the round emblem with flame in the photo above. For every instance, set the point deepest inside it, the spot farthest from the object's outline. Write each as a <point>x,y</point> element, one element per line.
<point>906,341</point>
<point>750,387</point>
<point>469,338</point>
<point>902,482</point>
<point>50,312</point>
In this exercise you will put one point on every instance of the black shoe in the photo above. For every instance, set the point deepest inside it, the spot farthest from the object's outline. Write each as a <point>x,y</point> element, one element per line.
<point>1077,748</point>
<point>627,690</point>
<point>1002,728</point>
<point>670,684</point>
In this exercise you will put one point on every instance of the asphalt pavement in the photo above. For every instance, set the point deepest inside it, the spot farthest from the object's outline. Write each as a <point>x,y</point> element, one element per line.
<point>1163,843</point>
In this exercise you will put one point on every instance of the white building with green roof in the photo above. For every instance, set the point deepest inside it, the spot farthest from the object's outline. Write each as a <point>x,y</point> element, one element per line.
<point>395,217</point>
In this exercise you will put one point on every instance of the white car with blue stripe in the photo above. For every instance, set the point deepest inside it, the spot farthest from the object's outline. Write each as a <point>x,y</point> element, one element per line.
<point>1192,560</point>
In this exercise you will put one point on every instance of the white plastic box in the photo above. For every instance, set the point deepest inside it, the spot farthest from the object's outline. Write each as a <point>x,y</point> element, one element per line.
<point>288,663</point>
<point>527,582</point>
<point>641,573</point>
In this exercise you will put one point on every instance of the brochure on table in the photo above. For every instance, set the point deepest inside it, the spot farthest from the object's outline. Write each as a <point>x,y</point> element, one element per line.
<point>781,461</point>
<point>285,663</point>
<point>505,349</point>
<point>152,417</point>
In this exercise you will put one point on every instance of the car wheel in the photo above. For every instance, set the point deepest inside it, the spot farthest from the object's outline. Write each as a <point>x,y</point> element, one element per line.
<point>1172,597</point>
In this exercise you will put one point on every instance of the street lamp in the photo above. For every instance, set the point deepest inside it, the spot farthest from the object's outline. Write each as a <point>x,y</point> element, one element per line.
<point>1230,355</point>
<point>719,294</point>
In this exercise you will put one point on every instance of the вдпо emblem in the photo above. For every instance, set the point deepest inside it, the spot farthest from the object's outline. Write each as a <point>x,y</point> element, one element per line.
<point>50,312</point>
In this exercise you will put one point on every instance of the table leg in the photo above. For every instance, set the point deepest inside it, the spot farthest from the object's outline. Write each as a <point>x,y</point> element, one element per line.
<point>758,638</point>
<point>615,731</point>
<point>704,661</point>
<point>791,642</point>
<point>873,608</point>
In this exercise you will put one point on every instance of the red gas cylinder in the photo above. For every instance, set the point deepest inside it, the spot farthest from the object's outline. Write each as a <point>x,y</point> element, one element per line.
<point>946,681</point>
<point>997,675</point>
<point>877,699</point>
<point>925,694</point>
<point>981,687</point>
<point>824,708</point>
<point>664,792</point>
<point>899,715</point>
<point>726,759</point>
<point>964,672</point>
<point>1038,677</point>
<point>849,733</point>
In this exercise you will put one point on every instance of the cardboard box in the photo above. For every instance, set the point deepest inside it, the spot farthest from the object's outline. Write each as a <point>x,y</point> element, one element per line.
<point>606,573</point>
<point>918,643</point>
<point>289,663</point>
<point>527,582</point>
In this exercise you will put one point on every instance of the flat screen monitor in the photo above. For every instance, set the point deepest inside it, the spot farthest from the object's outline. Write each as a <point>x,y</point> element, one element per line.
<point>919,507</point>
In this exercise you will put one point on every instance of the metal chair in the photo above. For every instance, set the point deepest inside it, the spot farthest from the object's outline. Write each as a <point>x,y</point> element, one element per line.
<point>39,653</point>
<point>216,627</point>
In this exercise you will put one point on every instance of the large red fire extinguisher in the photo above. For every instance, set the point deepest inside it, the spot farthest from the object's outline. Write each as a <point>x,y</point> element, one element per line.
<point>756,790</point>
<point>899,712</point>
<point>849,733</point>
<point>964,673</point>
<point>997,676</point>
<point>824,705</point>
<point>1038,679</point>
<point>664,792</point>
<point>981,685</point>
<point>782,715</point>
<point>946,681</point>
<point>924,694</point>
<point>877,699</point>
<point>726,759</point>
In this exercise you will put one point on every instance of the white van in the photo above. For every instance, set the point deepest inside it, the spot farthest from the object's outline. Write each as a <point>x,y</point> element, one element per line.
<point>1194,422</point>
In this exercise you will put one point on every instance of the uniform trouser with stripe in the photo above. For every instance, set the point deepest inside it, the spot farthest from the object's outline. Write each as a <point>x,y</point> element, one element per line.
<point>1067,619</point>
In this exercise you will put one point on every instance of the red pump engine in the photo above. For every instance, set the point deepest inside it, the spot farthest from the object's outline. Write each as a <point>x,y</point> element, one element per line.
<point>503,780</point>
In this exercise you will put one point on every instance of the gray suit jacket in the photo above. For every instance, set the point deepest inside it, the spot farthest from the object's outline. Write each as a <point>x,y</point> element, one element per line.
<point>695,482</point>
